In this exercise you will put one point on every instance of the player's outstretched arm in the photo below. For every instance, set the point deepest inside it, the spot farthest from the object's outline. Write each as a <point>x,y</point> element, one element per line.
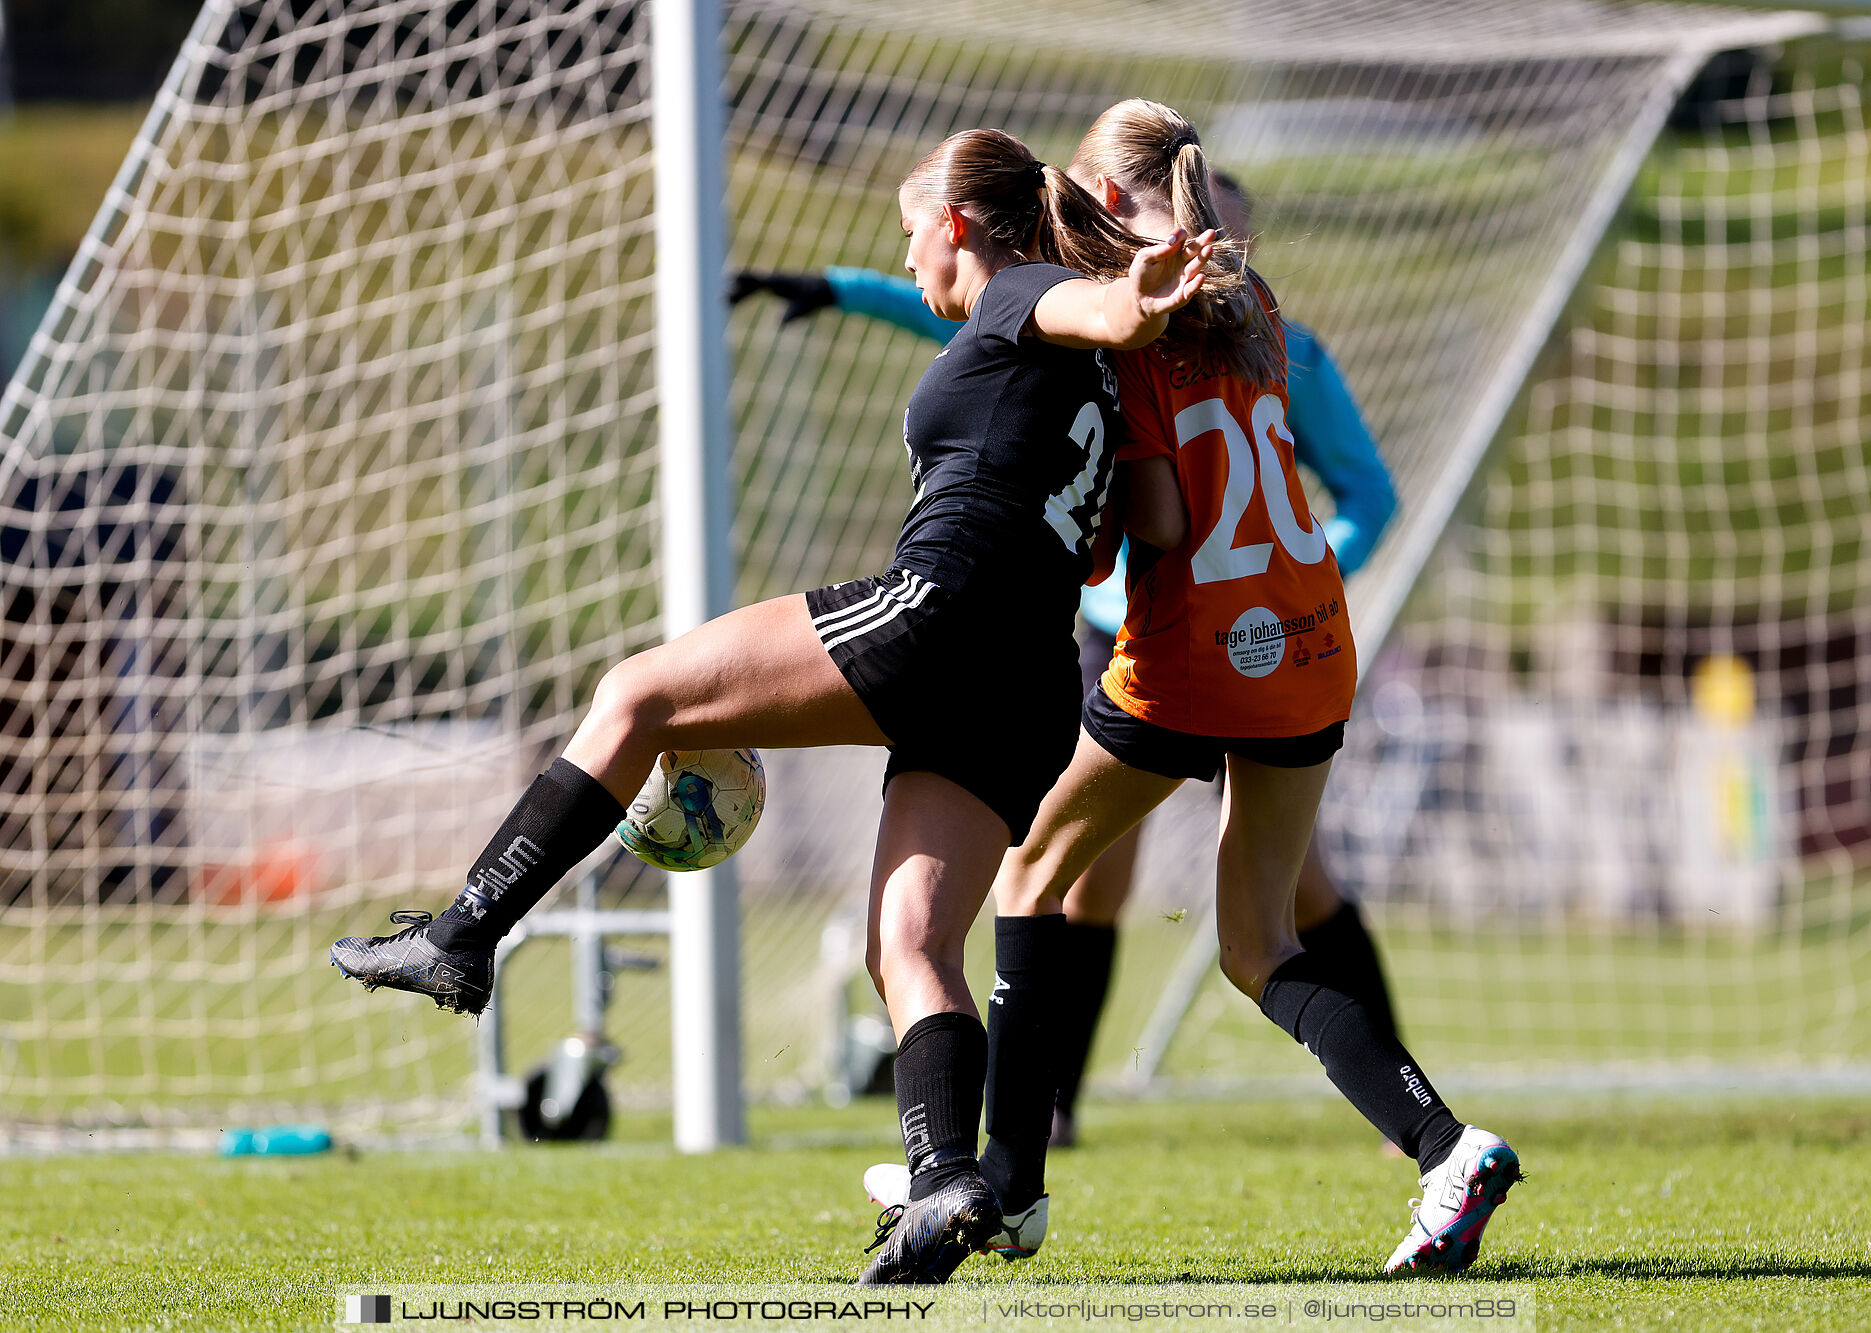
<point>1133,311</point>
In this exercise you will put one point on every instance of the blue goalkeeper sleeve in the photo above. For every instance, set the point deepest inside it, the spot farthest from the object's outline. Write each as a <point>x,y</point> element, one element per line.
<point>893,300</point>
<point>1330,437</point>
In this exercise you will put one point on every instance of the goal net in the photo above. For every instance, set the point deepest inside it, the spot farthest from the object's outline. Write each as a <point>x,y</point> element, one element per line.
<point>327,492</point>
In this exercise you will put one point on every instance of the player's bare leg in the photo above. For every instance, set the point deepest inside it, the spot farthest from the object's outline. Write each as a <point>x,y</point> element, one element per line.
<point>1328,923</point>
<point>1316,898</point>
<point>1097,801</point>
<point>1466,1171</point>
<point>1266,825</point>
<point>937,849</point>
<point>1097,897</point>
<point>756,676</point>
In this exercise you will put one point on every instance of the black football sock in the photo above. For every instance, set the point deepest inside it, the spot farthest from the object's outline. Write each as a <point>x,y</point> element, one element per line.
<point>940,1065</point>
<point>562,816</point>
<point>1367,1064</point>
<point>1084,980</point>
<point>1022,1078</point>
<point>1343,941</point>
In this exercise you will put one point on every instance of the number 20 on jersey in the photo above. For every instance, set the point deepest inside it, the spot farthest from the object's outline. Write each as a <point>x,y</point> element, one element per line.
<point>1218,559</point>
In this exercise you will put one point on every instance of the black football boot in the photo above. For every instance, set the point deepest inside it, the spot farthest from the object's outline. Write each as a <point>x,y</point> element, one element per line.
<point>925,1241</point>
<point>460,979</point>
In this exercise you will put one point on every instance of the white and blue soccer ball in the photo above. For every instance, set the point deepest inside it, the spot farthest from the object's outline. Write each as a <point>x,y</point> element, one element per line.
<point>697,808</point>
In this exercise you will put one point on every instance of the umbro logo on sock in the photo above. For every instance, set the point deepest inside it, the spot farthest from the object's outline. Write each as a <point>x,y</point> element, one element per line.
<point>522,854</point>
<point>916,1131</point>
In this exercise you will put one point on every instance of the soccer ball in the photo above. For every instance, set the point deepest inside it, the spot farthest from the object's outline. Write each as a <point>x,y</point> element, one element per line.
<point>697,808</point>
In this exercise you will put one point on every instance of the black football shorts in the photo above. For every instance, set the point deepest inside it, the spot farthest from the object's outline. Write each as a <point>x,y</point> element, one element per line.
<point>1181,754</point>
<point>964,687</point>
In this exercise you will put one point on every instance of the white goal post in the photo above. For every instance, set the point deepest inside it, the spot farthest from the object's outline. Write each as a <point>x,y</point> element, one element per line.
<point>694,439</point>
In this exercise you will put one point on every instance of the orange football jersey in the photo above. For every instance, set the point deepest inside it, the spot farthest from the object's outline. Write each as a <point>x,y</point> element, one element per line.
<point>1242,630</point>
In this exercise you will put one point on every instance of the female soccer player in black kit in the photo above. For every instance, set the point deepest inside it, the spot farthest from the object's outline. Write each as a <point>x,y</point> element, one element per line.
<point>964,644</point>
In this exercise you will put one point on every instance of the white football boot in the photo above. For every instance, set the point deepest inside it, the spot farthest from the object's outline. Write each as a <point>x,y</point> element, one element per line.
<point>1459,1197</point>
<point>1020,1234</point>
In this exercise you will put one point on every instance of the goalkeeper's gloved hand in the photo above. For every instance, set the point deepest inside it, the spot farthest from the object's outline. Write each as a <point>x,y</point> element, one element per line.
<point>802,292</point>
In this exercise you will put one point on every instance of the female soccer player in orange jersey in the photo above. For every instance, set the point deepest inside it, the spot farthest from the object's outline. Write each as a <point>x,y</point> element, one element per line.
<point>1236,652</point>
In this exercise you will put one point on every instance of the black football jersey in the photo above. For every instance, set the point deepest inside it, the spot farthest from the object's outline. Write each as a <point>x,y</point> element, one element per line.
<point>1010,440</point>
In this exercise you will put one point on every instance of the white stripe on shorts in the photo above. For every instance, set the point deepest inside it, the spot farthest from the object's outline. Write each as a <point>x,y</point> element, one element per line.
<point>896,607</point>
<point>833,621</point>
<point>833,618</point>
<point>872,611</point>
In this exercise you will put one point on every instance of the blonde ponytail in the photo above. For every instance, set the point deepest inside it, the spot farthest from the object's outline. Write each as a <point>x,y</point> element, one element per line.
<point>1151,151</point>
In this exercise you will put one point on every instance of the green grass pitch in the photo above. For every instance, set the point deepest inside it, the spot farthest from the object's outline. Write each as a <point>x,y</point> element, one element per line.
<point>1635,1215</point>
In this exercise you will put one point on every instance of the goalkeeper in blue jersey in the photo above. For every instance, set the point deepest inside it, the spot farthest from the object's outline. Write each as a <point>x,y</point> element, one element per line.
<point>1329,437</point>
